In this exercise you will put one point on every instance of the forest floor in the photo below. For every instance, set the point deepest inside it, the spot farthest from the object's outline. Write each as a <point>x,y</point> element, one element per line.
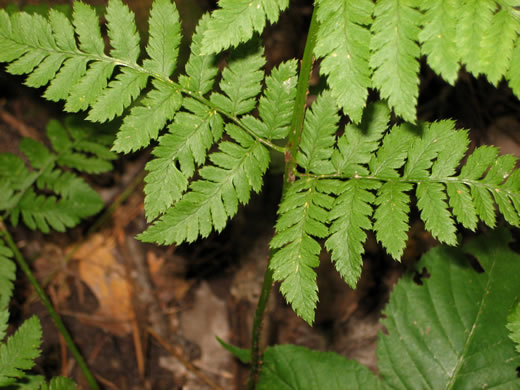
<point>147,317</point>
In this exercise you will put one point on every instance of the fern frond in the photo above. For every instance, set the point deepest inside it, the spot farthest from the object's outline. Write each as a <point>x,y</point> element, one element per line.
<point>342,42</point>
<point>7,277</point>
<point>318,136</point>
<point>73,199</point>
<point>302,214</point>
<point>276,104</point>
<point>18,354</point>
<point>369,189</point>
<point>238,169</point>
<point>241,80</point>
<point>394,55</point>
<point>438,37</point>
<point>236,21</point>
<point>82,75</point>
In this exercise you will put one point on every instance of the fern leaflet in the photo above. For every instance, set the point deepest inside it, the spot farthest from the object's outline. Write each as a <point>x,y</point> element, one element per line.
<point>395,54</point>
<point>238,168</point>
<point>18,354</point>
<point>7,277</point>
<point>236,21</point>
<point>302,211</point>
<point>342,42</point>
<point>73,199</point>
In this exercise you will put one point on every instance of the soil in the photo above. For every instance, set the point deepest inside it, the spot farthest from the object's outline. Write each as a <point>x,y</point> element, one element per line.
<point>147,317</point>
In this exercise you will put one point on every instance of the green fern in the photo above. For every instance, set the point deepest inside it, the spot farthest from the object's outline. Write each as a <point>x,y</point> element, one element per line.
<point>7,277</point>
<point>236,21</point>
<point>18,353</point>
<point>344,186</point>
<point>26,192</point>
<point>372,182</point>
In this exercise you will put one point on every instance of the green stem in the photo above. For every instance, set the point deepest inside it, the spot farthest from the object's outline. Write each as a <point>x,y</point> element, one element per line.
<point>50,308</point>
<point>290,170</point>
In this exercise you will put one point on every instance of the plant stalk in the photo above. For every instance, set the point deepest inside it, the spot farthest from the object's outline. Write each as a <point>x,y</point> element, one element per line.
<point>50,308</point>
<point>289,177</point>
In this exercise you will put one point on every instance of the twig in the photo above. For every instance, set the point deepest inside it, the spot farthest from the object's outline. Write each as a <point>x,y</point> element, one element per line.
<point>290,169</point>
<point>50,308</point>
<point>179,356</point>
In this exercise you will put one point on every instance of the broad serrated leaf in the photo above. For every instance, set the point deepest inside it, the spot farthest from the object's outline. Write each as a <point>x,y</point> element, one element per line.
<point>342,42</point>
<point>291,367</point>
<point>62,30</point>
<point>165,37</point>
<point>144,121</point>
<point>47,197</point>
<point>318,136</point>
<point>450,330</point>
<point>350,216</point>
<point>241,80</point>
<point>434,138</point>
<point>235,22</point>
<point>394,55</point>
<point>18,354</point>
<point>438,37</point>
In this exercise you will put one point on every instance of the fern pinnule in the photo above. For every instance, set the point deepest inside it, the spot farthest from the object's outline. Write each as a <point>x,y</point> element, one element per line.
<point>345,51</point>
<point>302,213</point>
<point>276,104</point>
<point>18,354</point>
<point>190,136</point>
<point>318,136</point>
<point>241,80</point>
<point>7,277</point>
<point>438,38</point>
<point>235,22</point>
<point>395,52</point>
